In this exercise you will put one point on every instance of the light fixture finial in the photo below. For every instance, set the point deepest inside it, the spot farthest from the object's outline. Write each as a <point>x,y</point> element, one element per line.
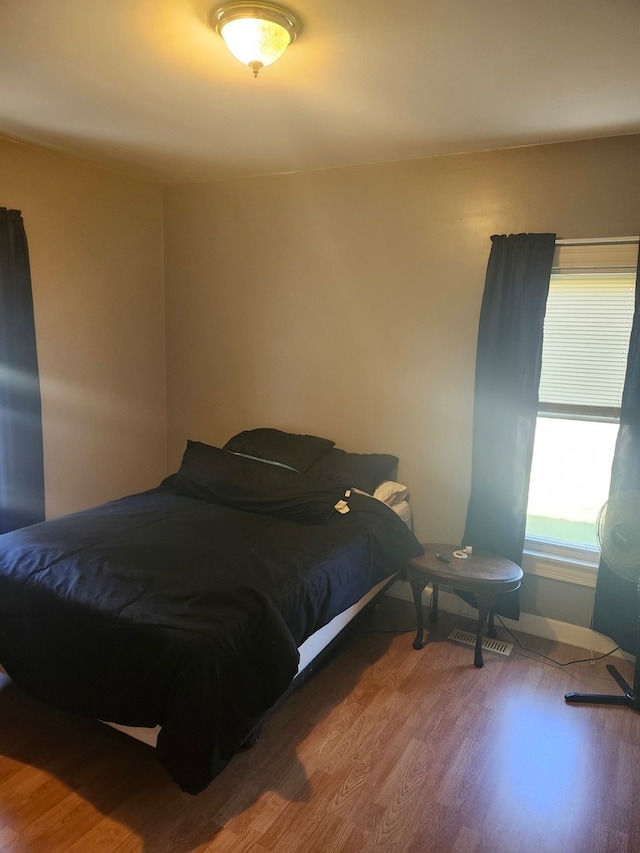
<point>257,34</point>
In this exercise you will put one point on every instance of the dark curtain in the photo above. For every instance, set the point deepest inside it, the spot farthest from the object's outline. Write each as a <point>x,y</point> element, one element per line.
<point>21,455</point>
<point>508,364</point>
<point>616,606</point>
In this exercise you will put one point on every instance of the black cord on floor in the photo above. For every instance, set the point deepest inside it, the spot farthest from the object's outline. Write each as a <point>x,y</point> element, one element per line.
<point>544,658</point>
<point>548,659</point>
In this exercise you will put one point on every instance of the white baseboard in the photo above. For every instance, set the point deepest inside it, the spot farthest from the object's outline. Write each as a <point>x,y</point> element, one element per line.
<point>538,626</point>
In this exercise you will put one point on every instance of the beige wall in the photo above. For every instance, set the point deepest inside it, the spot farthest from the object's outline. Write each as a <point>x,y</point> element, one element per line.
<point>95,244</point>
<point>345,303</point>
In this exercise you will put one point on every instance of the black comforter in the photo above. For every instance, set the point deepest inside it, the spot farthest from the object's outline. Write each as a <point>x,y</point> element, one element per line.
<point>167,608</point>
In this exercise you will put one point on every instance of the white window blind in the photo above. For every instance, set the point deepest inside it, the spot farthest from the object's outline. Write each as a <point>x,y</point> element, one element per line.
<point>586,339</point>
<point>601,256</point>
<point>587,328</point>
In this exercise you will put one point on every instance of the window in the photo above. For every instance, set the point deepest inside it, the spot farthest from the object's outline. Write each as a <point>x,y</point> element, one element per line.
<point>586,340</point>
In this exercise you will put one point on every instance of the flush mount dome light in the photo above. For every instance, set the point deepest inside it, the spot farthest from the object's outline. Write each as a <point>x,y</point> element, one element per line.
<point>256,33</point>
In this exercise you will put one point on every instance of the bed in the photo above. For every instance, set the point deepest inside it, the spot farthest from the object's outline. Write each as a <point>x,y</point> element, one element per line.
<point>182,612</point>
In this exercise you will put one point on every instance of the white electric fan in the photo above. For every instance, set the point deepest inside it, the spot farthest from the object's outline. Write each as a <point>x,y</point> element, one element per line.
<point>618,529</point>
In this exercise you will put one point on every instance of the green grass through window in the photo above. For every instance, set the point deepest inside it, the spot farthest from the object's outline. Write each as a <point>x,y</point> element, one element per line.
<point>572,532</point>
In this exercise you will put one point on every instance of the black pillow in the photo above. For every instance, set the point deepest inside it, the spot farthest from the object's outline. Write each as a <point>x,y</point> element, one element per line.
<point>287,448</point>
<point>221,477</point>
<point>362,471</point>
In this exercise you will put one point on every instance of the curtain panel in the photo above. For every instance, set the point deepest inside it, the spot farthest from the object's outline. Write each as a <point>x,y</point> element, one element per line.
<point>508,365</point>
<point>616,608</point>
<point>21,452</point>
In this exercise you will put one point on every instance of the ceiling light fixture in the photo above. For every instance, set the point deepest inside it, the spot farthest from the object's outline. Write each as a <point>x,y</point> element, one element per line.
<point>256,33</point>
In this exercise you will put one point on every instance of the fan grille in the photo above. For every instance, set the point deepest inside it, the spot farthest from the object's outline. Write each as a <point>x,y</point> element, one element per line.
<point>619,534</point>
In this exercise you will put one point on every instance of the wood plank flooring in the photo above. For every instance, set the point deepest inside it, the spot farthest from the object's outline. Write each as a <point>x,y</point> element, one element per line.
<point>384,749</point>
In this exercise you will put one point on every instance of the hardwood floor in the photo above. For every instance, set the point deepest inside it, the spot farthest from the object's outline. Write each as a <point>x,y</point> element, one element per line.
<point>385,749</point>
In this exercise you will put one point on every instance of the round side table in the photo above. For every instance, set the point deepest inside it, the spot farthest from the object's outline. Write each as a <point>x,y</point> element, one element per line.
<point>484,575</point>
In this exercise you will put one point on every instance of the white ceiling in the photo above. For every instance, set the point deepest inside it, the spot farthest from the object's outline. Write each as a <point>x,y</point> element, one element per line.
<point>147,87</point>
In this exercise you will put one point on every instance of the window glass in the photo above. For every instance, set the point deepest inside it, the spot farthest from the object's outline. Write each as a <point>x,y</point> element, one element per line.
<point>569,479</point>
<point>586,341</point>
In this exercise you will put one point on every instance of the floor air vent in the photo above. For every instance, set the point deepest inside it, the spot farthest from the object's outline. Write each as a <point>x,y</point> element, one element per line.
<point>488,644</point>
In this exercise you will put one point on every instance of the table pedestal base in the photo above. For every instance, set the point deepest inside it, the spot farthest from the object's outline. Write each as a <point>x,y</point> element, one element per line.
<point>486,618</point>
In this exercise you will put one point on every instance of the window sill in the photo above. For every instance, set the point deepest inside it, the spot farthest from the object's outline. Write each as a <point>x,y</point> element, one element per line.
<point>568,565</point>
